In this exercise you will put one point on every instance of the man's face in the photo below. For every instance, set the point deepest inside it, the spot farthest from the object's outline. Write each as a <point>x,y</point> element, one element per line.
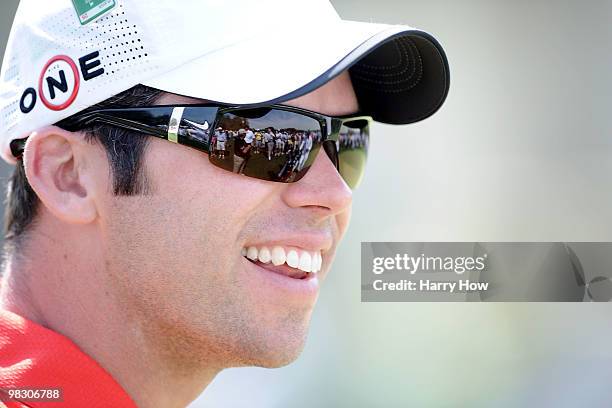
<point>174,255</point>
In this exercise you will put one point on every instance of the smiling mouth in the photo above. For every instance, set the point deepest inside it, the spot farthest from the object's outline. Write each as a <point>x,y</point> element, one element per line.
<point>288,261</point>
<point>285,270</point>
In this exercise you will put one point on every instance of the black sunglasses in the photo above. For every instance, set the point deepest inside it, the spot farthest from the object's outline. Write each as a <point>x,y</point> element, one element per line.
<point>274,143</point>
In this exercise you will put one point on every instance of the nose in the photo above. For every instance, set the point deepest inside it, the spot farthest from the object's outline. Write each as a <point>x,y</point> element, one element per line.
<point>322,187</point>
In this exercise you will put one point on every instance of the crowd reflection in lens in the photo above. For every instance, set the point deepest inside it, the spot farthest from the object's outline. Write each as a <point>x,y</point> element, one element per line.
<point>353,138</point>
<point>289,148</point>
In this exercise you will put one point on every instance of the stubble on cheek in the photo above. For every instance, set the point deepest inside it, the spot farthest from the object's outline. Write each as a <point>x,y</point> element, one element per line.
<point>181,290</point>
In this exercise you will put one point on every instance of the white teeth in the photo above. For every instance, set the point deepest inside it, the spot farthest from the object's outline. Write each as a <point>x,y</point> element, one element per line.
<point>305,262</point>
<point>264,255</point>
<point>300,259</point>
<point>293,260</point>
<point>278,256</point>
<point>252,253</point>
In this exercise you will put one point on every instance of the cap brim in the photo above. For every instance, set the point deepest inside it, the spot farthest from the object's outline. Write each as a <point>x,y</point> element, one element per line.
<point>400,74</point>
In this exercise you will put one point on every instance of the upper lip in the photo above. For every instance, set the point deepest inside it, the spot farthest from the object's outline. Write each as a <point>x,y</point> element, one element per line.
<point>306,241</point>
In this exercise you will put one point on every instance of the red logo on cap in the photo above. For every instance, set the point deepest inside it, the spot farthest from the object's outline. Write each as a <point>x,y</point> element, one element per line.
<point>58,84</point>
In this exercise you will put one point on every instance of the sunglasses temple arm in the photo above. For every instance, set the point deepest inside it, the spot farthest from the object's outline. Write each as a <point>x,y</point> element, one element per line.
<point>186,133</point>
<point>161,132</point>
<point>124,119</point>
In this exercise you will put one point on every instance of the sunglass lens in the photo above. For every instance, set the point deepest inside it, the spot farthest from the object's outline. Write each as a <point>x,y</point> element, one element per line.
<point>354,139</point>
<point>265,143</point>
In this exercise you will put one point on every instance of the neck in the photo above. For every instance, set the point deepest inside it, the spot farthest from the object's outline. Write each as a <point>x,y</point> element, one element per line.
<point>58,288</point>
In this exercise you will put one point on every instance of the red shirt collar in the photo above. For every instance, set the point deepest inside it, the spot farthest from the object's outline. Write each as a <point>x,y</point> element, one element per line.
<point>34,356</point>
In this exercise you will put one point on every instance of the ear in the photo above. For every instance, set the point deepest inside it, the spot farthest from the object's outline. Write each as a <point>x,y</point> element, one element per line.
<point>56,166</point>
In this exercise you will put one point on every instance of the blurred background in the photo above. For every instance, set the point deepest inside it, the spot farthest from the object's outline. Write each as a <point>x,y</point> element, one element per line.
<point>521,151</point>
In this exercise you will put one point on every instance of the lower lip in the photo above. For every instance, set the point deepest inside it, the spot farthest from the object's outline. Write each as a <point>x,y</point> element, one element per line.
<point>307,287</point>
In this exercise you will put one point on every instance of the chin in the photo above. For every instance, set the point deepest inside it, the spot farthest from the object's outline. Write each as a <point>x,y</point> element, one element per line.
<point>279,358</point>
<point>275,352</point>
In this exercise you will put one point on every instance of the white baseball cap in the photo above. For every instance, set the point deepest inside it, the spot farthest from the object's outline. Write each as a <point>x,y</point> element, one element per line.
<point>66,55</point>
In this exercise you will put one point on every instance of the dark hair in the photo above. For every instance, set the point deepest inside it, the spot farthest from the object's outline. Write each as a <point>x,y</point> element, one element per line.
<point>124,149</point>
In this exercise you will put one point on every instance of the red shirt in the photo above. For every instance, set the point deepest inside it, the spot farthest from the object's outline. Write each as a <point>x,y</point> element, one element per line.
<point>32,356</point>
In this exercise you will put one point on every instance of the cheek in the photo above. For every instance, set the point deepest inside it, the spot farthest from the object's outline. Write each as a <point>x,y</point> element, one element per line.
<point>205,200</point>
<point>182,238</point>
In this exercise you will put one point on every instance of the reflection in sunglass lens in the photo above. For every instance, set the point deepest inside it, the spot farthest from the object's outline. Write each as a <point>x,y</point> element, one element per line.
<point>267,144</point>
<point>354,139</point>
